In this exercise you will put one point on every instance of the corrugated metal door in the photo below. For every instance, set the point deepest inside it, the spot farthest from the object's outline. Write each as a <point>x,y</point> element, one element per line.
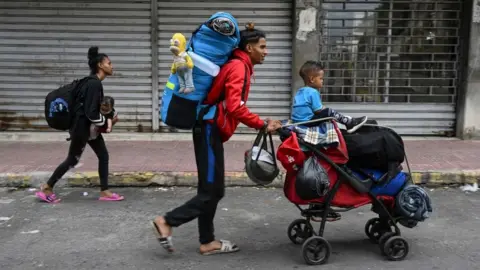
<point>44,44</point>
<point>271,88</point>
<point>395,61</point>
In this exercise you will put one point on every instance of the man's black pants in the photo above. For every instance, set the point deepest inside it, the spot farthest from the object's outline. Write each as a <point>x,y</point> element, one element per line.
<point>211,184</point>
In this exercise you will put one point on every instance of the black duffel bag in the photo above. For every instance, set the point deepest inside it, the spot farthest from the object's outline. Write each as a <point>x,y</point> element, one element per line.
<point>375,147</point>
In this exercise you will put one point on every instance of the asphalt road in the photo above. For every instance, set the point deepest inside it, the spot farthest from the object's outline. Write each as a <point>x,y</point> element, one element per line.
<point>83,233</point>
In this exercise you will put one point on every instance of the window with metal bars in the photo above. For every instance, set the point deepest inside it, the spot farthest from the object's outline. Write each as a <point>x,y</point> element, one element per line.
<point>390,51</point>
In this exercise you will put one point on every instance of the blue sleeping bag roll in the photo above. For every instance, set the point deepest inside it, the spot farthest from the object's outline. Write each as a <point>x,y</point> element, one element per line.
<point>181,110</point>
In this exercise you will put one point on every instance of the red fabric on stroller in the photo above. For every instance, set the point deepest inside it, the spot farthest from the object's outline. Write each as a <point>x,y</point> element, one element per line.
<point>346,196</point>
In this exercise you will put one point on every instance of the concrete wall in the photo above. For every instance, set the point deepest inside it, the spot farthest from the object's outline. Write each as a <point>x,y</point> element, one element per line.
<point>306,37</point>
<point>468,105</point>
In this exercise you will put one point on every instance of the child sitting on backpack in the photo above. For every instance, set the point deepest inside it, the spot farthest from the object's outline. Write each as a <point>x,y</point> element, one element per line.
<point>107,110</point>
<point>307,103</point>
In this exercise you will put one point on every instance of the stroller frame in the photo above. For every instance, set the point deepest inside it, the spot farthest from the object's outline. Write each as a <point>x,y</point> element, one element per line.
<point>382,230</point>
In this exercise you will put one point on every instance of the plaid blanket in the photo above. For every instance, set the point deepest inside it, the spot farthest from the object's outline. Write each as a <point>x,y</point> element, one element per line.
<point>323,134</point>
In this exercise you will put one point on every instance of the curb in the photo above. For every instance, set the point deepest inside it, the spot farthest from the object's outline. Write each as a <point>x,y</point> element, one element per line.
<point>232,179</point>
<point>56,136</point>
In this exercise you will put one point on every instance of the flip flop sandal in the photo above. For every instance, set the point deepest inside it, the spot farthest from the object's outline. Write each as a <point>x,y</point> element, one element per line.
<point>114,197</point>
<point>52,198</point>
<point>165,242</point>
<point>227,247</point>
<point>332,216</point>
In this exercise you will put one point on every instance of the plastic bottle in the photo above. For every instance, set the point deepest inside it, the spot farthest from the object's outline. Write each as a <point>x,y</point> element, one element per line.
<point>204,64</point>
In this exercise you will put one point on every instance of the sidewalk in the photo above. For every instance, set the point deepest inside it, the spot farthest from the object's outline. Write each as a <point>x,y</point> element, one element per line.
<point>141,163</point>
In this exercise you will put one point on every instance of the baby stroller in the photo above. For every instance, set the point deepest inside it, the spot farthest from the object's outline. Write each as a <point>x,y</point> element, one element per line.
<point>347,190</point>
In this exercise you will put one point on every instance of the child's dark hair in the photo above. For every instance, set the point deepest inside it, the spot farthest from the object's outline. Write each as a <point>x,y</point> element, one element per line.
<point>250,35</point>
<point>94,58</point>
<point>309,67</point>
<point>108,100</point>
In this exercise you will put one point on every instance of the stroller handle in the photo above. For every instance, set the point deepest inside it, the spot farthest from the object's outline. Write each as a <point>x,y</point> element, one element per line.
<point>310,122</point>
<point>284,132</point>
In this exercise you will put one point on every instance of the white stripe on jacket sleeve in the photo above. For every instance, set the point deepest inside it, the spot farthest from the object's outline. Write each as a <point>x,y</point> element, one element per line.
<point>98,122</point>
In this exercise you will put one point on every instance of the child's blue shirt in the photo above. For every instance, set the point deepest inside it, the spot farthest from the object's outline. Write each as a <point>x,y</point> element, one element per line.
<point>305,102</point>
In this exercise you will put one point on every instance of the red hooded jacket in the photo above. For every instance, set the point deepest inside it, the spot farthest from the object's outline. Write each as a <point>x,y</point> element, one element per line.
<point>233,110</point>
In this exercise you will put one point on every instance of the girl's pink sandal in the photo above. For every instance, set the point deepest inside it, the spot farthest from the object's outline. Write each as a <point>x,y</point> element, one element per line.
<point>114,197</point>
<point>52,198</point>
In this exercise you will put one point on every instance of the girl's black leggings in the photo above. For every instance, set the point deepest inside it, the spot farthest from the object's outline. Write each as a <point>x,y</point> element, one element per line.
<point>77,146</point>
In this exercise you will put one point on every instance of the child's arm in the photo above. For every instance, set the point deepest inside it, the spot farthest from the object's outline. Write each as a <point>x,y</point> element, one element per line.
<point>114,117</point>
<point>109,125</point>
<point>316,102</point>
<point>110,118</point>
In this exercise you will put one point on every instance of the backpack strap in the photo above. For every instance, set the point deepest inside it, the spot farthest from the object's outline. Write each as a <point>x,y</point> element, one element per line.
<point>221,98</point>
<point>81,83</point>
<point>244,89</point>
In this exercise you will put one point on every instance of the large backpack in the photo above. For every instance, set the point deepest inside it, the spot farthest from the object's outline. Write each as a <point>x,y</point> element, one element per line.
<point>60,107</point>
<point>182,110</point>
<point>375,147</point>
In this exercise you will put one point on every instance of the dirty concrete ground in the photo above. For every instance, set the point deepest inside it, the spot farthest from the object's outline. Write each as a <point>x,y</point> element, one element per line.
<point>83,233</point>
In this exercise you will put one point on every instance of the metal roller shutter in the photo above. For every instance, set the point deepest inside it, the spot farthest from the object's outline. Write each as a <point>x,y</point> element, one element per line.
<point>270,94</point>
<point>44,44</point>
<point>395,61</point>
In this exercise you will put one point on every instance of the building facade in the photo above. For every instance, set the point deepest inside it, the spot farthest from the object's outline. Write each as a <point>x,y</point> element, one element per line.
<point>403,63</point>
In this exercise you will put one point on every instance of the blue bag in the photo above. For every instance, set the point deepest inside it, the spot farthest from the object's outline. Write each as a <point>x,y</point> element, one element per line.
<point>181,110</point>
<point>389,188</point>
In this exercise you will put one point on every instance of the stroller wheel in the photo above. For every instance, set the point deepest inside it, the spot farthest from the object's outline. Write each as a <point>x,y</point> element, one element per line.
<point>383,239</point>
<point>376,228</point>
<point>370,229</point>
<point>396,248</point>
<point>316,250</point>
<point>299,231</point>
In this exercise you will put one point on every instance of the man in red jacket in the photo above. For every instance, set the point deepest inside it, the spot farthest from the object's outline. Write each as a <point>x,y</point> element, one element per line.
<point>231,87</point>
